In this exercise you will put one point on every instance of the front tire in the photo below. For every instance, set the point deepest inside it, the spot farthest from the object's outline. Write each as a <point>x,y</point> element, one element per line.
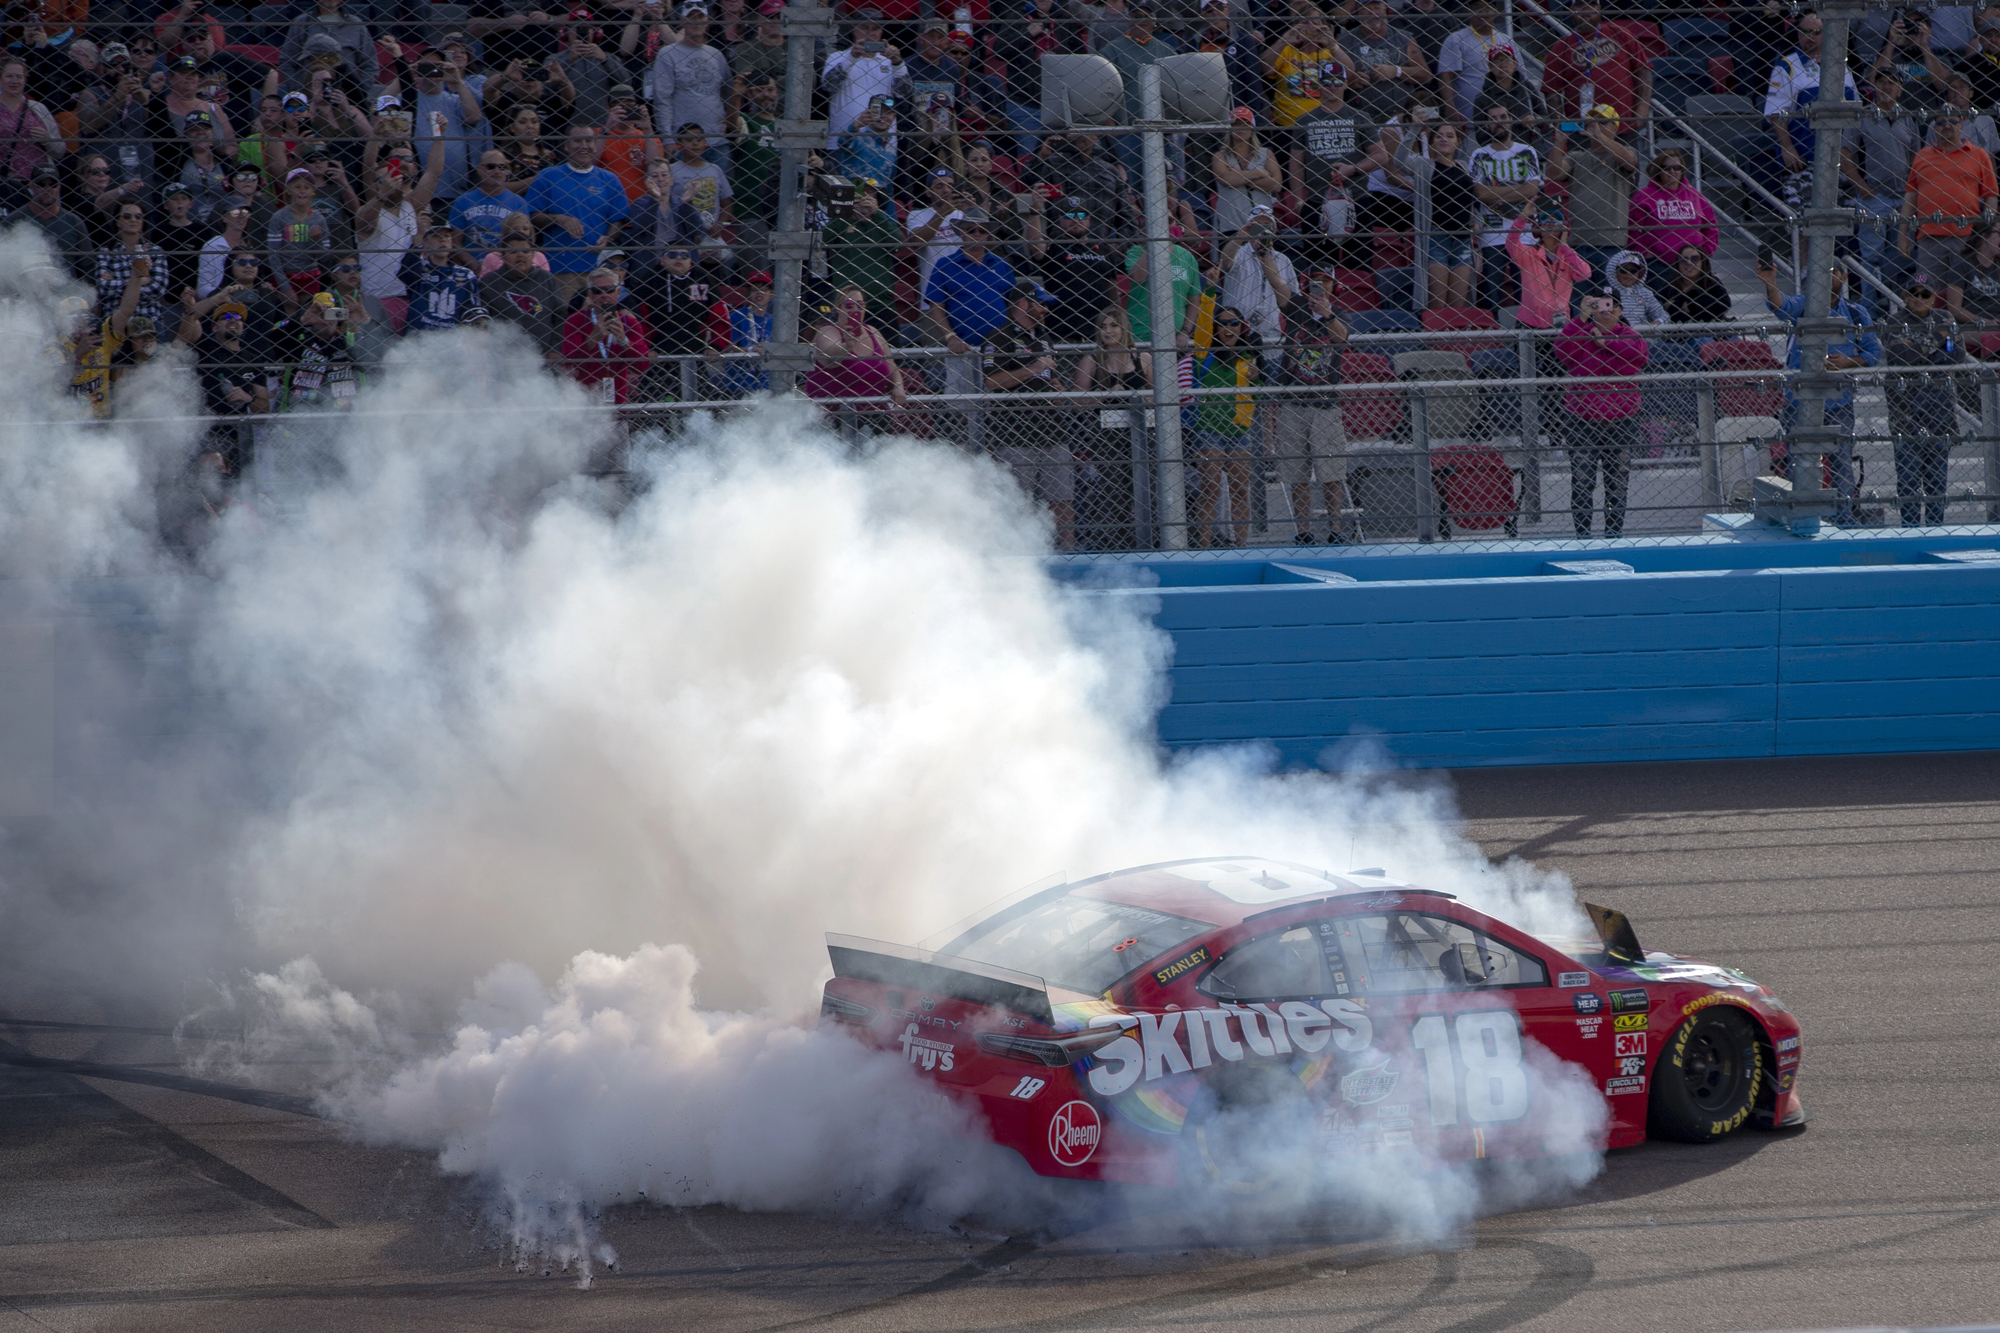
<point>1705,1083</point>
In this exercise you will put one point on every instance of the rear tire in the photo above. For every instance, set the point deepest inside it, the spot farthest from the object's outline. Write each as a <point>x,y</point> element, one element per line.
<point>1706,1081</point>
<point>1245,1135</point>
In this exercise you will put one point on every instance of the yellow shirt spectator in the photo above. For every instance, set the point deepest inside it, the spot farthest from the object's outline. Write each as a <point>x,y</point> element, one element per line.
<point>1295,81</point>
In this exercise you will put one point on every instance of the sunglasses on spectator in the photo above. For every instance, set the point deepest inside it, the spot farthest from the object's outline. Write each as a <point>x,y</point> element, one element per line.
<point>604,291</point>
<point>347,268</point>
<point>97,171</point>
<point>229,319</point>
<point>1689,258</point>
<point>676,254</point>
<point>1228,323</point>
<point>492,166</point>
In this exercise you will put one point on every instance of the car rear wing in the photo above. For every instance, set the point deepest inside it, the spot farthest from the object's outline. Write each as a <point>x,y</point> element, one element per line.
<point>930,973</point>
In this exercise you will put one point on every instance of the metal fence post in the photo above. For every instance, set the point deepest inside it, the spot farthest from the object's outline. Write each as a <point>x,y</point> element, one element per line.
<point>1989,451</point>
<point>791,244</point>
<point>1711,452</point>
<point>1531,430</point>
<point>1144,532</point>
<point>690,384</point>
<point>1160,297</point>
<point>1420,462</point>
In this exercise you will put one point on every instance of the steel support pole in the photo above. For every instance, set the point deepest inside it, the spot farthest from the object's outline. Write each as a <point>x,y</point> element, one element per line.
<point>1424,497</point>
<point>1172,506</point>
<point>1531,429</point>
<point>1989,443</point>
<point>1802,503</point>
<point>791,244</point>
<point>1421,170</point>
<point>1711,454</point>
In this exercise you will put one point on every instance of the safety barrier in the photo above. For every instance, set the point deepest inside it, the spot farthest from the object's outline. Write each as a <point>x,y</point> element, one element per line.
<point>1743,642</point>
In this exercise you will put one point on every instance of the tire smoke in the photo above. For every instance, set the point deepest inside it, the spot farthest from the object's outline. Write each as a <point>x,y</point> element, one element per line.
<point>443,735</point>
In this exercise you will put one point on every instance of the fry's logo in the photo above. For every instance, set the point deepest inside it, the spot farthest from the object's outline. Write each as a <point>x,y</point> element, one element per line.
<point>1073,1133</point>
<point>933,1054</point>
<point>1182,1040</point>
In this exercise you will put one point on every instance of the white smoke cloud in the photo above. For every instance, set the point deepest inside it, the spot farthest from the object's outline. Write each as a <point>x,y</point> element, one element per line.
<point>475,723</point>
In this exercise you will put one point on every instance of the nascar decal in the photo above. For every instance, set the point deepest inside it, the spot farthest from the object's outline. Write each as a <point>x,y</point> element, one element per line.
<point>1074,1132</point>
<point>1587,1027</point>
<point>1572,980</point>
<point>1182,1040</point>
<point>1180,965</point>
<point>932,1054</point>
<point>1589,1002</point>
<point>1628,1022</point>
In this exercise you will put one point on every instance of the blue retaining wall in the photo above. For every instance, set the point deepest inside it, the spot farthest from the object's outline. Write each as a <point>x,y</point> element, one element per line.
<point>1728,645</point>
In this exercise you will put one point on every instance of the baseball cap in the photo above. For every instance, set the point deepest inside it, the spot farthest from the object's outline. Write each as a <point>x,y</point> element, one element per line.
<point>623,92</point>
<point>1075,204</point>
<point>607,256</point>
<point>581,15</point>
<point>689,127</point>
<point>196,118</point>
<point>247,170</point>
<point>936,25</point>
<point>1262,211</point>
<point>43,174</point>
<point>1332,71</point>
<point>1551,217</point>
<point>295,173</point>
<point>325,300</point>
<point>977,216</point>
<point>474,315</point>
<point>1215,4</point>
<point>869,16</point>
<point>295,99</point>
<point>141,327</point>
<point>771,9</point>
<point>315,153</point>
<point>694,9</point>
<point>184,64</point>
<point>758,279</point>
<point>232,308</point>
<point>944,174</point>
<point>1990,23</point>
<point>1024,291</point>
<point>388,102</point>
<point>115,51</point>
<point>437,227</point>
<point>1948,112</point>
<point>1243,115</point>
<point>1921,282</point>
<point>176,187</point>
<point>455,39</point>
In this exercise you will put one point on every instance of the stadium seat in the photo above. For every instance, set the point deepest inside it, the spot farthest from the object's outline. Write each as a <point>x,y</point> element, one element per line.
<point>268,25</point>
<point>1678,32</point>
<point>1394,250</point>
<point>1397,287</point>
<point>1450,414</point>
<point>1451,319</point>
<point>1988,344</point>
<point>1354,289</point>
<point>1745,398</point>
<point>1388,321</point>
<point>1677,78</point>
<point>1721,74</point>
<point>1369,414</point>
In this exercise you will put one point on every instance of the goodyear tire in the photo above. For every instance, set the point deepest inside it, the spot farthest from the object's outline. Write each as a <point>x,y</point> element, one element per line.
<point>1246,1137</point>
<point>1706,1081</point>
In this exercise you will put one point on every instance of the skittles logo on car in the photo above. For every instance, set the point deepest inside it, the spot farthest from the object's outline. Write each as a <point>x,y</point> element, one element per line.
<point>1074,1131</point>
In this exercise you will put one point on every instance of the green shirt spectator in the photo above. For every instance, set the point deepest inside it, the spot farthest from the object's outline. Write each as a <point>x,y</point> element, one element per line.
<point>1225,368</point>
<point>1139,308</point>
<point>862,250</point>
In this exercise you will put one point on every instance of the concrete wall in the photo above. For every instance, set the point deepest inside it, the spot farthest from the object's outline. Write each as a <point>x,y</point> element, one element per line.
<point>1720,647</point>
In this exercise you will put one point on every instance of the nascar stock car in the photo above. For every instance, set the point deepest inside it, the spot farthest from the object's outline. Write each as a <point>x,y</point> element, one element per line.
<point>1112,1028</point>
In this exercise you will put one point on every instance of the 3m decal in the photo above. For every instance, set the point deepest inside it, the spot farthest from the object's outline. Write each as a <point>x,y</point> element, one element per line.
<point>1634,1001</point>
<point>1489,1049</point>
<point>1074,1131</point>
<point>1181,964</point>
<point>1028,1087</point>
<point>932,1054</point>
<point>1628,1043</point>
<point>1587,1027</point>
<point>1788,1043</point>
<point>1629,1022</point>
<point>1571,980</point>
<point>1587,1003</point>
<point>1618,1087</point>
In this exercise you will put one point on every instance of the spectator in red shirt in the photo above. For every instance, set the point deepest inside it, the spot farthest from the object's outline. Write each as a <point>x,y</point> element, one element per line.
<point>1602,63</point>
<point>605,347</point>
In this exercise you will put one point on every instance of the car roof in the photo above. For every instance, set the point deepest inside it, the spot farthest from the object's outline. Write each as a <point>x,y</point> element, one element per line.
<point>1222,891</point>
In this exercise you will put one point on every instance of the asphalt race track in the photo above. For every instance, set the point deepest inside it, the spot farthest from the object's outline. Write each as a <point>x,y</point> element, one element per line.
<point>1866,891</point>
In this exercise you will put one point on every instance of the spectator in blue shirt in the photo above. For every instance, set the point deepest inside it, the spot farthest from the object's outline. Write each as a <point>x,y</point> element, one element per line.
<point>966,299</point>
<point>481,213</point>
<point>584,203</point>
<point>1861,347</point>
<point>441,290</point>
<point>749,330</point>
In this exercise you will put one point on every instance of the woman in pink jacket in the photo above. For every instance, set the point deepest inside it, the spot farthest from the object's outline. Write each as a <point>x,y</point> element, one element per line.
<point>1602,420</point>
<point>1550,269</point>
<point>1668,214</point>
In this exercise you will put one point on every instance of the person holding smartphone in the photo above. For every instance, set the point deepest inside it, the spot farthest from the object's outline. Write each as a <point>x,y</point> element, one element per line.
<point>851,359</point>
<point>446,109</point>
<point>868,67</point>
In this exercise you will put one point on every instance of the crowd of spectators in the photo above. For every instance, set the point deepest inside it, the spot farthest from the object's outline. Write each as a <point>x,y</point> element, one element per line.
<point>607,179</point>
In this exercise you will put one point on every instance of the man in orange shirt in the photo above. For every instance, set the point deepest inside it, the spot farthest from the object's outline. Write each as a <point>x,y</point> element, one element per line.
<point>628,143</point>
<point>1950,183</point>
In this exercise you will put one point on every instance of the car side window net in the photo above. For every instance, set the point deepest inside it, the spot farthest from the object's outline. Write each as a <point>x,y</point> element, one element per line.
<point>1412,953</point>
<point>1289,963</point>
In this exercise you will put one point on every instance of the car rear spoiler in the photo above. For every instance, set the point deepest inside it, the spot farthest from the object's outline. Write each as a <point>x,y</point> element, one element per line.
<point>1621,942</point>
<point>940,974</point>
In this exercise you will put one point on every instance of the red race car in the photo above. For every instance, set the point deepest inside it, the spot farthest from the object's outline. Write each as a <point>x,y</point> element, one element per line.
<point>1114,1028</point>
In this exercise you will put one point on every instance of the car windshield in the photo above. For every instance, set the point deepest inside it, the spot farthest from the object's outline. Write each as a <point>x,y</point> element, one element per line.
<point>1081,944</point>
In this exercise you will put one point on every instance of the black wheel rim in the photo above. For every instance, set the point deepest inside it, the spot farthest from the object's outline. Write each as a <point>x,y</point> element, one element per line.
<point>1711,1070</point>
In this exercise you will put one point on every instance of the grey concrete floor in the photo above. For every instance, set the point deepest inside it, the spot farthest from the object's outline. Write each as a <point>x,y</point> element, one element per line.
<point>1867,891</point>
